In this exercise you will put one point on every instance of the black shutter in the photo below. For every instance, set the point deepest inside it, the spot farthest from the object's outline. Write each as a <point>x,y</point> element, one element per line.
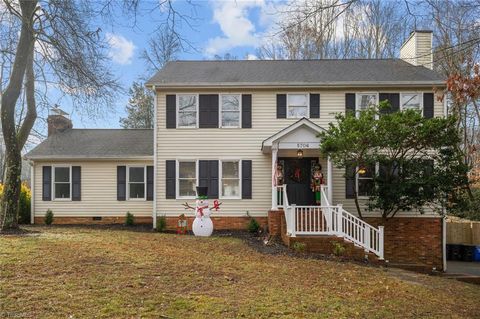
<point>350,103</point>
<point>281,106</point>
<point>213,185</point>
<point>314,106</point>
<point>76,183</point>
<point>170,176</point>
<point>46,183</point>
<point>208,108</point>
<point>246,179</point>
<point>171,111</point>
<point>428,105</point>
<point>350,181</point>
<point>121,183</point>
<point>394,99</point>
<point>208,176</point>
<point>246,111</point>
<point>150,182</point>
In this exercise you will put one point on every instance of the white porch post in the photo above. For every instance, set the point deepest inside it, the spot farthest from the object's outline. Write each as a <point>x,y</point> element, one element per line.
<point>274,189</point>
<point>329,180</point>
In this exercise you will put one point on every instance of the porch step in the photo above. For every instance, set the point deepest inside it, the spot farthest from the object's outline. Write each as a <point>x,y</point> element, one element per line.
<point>322,244</point>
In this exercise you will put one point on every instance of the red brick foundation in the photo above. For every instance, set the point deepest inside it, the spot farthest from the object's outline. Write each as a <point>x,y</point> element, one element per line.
<point>409,241</point>
<point>412,240</point>
<point>220,223</point>
<point>274,222</point>
<point>91,221</point>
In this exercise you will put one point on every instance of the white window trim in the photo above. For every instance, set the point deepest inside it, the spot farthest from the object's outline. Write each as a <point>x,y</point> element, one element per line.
<point>53,182</point>
<point>177,179</point>
<point>377,168</point>
<point>220,110</point>
<point>421,100</point>
<point>144,182</point>
<point>308,105</point>
<point>357,107</point>
<point>220,167</point>
<point>177,108</point>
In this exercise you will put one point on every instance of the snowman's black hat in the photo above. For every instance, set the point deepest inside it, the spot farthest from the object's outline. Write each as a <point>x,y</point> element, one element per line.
<point>202,192</point>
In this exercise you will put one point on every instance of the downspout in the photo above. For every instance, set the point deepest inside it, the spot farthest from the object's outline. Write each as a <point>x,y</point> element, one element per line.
<point>154,210</point>
<point>32,189</point>
<point>444,241</point>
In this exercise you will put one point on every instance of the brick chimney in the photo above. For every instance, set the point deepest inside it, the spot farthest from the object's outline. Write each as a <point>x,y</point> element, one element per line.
<point>417,50</point>
<point>58,121</point>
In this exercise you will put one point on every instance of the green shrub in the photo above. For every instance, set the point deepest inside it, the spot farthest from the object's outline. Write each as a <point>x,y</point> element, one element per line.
<point>253,226</point>
<point>338,249</point>
<point>161,223</point>
<point>299,247</point>
<point>129,219</point>
<point>48,217</point>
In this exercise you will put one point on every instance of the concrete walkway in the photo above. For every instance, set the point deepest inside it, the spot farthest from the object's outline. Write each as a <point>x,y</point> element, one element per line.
<point>463,267</point>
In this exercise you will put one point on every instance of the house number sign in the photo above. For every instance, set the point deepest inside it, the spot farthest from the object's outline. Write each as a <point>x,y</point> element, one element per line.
<point>303,145</point>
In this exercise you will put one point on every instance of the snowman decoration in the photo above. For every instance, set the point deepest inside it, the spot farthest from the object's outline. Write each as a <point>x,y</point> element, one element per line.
<point>202,225</point>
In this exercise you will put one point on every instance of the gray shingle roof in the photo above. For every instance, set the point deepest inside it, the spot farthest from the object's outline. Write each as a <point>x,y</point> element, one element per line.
<point>95,143</point>
<point>293,72</point>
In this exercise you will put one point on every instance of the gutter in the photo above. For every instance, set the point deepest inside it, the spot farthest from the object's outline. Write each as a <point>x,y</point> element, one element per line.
<point>259,85</point>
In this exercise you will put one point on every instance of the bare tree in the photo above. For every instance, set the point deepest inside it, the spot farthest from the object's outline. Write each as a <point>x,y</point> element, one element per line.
<point>53,44</point>
<point>163,47</point>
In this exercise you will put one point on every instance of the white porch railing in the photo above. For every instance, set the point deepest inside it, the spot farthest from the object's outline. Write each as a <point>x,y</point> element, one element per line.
<point>327,219</point>
<point>279,197</point>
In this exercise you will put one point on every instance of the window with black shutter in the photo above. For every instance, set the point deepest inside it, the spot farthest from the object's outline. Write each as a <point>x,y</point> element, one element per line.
<point>46,183</point>
<point>350,103</point>
<point>170,180</point>
<point>246,179</point>
<point>281,106</point>
<point>314,106</point>
<point>150,183</point>
<point>393,99</point>
<point>428,105</point>
<point>171,111</point>
<point>121,183</point>
<point>76,183</point>
<point>208,110</point>
<point>208,176</point>
<point>246,111</point>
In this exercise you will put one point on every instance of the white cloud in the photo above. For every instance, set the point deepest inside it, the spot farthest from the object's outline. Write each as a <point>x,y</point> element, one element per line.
<point>238,29</point>
<point>252,57</point>
<point>121,49</point>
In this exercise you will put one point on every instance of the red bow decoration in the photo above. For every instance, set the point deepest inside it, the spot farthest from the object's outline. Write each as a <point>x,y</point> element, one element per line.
<point>216,204</point>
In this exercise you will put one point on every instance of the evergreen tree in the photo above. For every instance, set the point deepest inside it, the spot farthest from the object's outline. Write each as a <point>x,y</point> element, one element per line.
<point>139,108</point>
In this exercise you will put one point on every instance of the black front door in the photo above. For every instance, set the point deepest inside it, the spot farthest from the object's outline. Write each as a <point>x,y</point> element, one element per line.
<point>297,177</point>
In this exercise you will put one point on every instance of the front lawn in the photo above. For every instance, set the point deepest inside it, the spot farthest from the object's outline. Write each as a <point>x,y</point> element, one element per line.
<point>67,272</point>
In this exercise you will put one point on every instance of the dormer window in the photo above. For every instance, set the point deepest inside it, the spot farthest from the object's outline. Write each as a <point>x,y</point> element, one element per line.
<point>297,105</point>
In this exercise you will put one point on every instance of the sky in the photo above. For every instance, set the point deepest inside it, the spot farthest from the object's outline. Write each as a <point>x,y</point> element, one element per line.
<point>219,27</point>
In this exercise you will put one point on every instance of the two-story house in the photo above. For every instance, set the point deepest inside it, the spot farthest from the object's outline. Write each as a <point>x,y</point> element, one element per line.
<point>249,131</point>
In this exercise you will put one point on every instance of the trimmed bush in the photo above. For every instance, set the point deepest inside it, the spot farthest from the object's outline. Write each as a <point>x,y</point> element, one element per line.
<point>48,217</point>
<point>338,249</point>
<point>253,226</point>
<point>299,247</point>
<point>129,219</point>
<point>161,223</point>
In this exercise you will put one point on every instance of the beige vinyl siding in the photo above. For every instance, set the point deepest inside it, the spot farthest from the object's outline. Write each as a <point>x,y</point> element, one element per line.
<point>417,50</point>
<point>238,143</point>
<point>424,49</point>
<point>409,49</point>
<point>98,191</point>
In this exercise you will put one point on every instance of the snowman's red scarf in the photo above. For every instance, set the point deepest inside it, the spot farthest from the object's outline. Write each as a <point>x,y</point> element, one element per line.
<point>216,206</point>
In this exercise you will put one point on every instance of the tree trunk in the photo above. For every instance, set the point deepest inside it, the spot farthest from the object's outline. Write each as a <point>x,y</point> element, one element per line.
<point>11,192</point>
<point>13,144</point>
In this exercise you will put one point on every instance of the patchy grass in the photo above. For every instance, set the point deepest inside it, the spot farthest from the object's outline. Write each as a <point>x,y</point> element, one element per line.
<point>110,273</point>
